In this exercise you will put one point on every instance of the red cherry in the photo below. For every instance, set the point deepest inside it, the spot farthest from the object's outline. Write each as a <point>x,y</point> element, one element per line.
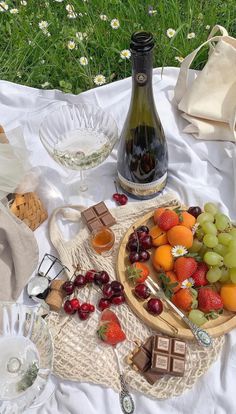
<point>68,308</point>
<point>117,300</point>
<point>103,303</point>
<point>117,286</point>
<point>91,308</point>
<point>194,211</point>
<point>132,245</point>
<point>83,315</point>
<point>143,256</point>
<point>75,303</point>
<point>123,199</point>
<point>146,242</point>
<point>141,291</point>
<point>134,257</point>
<point>89,276</point>
<point>155,306</point>
<point>68,287</point>
<point>85,307</point>
<point>107,290</point>
<point>142,229</point>
<point>116,196</point>
<point>79,281</point>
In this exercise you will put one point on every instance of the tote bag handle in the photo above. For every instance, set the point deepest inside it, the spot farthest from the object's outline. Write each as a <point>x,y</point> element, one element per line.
<point>182,82</point>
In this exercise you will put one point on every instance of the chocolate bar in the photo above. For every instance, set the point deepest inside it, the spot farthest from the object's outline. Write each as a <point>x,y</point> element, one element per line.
<point>142,361</point>
<point>98,216</point>
<point>168,356</point>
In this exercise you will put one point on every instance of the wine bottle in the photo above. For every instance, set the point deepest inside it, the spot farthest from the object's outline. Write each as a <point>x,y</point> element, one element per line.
<point>142,153</point>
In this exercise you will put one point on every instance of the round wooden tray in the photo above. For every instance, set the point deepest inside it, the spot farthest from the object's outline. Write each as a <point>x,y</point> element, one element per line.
<point>168,322</point>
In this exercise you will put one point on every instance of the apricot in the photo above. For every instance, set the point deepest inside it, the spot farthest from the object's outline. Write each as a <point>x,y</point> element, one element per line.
<point>180,235</point>
<point>228,296</point>
<point>158,236</point>
<point>187,220</point>
<point>162,258</point>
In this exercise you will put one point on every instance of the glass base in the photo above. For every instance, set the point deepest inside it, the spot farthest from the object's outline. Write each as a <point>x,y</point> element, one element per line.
<point>44,397</point>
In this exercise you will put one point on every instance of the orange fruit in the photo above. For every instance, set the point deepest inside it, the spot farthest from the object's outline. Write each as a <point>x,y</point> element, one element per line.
<point>158,236</point>
<point>162,258</point>
<point>173,279</point>
<point>157,213</point>
<point>183,299</point>
<point>180,235</point>
<point>188,220</point>
<point>228,296</point>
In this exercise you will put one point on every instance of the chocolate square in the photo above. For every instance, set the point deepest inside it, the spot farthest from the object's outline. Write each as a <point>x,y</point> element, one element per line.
<point>151,377</point>
<point>107,219</point>
<point>89,214</point>
<point>162,343</point>
<point>177,366</point>
<point>100,208</point>
<point>160,363</point>
<point>178,347</point>
<point>142,360</point>
<point>148,345</point>
<point>94,225</point>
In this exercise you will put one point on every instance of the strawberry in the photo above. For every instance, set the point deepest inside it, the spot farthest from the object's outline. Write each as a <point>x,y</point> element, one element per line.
<point>209,300</point>
<point>183,299</point>
<point>138,272</point>
<point>168,219</point>
<point>184,267</point>
<point>111,333</point>
<point>108,316</point>
<point>199,276</point>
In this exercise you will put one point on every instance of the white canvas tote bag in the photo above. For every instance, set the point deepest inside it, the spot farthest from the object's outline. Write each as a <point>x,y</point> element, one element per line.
<point>208,102</point>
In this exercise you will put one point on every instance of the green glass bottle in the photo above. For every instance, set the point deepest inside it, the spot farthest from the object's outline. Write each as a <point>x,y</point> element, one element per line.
<point>142,153</point>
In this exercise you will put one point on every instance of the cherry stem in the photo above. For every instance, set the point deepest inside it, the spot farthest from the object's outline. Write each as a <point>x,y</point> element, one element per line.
<point>116,187</point>
<point>136,235</point>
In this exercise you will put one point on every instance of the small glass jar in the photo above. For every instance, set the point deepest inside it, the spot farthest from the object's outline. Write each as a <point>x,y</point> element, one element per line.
<point>102,240</point>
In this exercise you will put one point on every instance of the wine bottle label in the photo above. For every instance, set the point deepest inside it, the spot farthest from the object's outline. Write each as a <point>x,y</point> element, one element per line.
<point>143,190</point>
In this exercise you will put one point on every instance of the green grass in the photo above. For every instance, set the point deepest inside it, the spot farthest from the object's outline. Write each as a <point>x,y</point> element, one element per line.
<point>30,57</point>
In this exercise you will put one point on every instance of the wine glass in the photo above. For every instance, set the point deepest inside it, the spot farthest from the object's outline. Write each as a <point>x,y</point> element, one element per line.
<point>26,357</point>
<point>79,136</point>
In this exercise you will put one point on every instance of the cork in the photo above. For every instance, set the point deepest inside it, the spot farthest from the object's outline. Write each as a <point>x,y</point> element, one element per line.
<point>56,295</point>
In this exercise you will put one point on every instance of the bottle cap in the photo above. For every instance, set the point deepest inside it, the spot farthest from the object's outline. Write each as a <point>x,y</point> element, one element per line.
<point>141,42</point>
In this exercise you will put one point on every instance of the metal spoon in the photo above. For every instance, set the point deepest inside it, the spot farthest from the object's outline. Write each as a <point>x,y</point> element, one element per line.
<point>203,338</point>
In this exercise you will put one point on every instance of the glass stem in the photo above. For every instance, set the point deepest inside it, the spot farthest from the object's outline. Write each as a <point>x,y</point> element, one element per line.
<point>83,185</point>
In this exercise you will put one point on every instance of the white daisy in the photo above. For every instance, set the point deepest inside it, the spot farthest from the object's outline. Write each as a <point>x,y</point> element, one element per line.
<point>152,12</point>
<point>23,3</point>
<point>47,33</point>
<point>187,283</point>
<point>79,36</point>
<point>85,35</point>
<point>208,27</point>
<point>45,84</point>
<point>178,251</point>
<point>103,17</point>
<point>179,59</point>
<point>125,54</point>
<point>170,32</point>
<point>14,11</point>
<point>43,25</point>
<point>115,24</point>
<point>80,14</point>
<point>70,8</point>
<point>191,35</point>
<point>71,45</point>
<point>195,227</point>
<point>99,80</point>
<point>83,61</point>
<point>3,6</point>
<point>72,15</point>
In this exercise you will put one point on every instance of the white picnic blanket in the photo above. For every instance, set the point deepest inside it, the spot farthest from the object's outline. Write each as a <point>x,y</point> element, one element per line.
<point>198,172</point>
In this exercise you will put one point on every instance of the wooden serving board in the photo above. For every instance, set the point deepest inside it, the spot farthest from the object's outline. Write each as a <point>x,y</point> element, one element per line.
<point>168,322</point>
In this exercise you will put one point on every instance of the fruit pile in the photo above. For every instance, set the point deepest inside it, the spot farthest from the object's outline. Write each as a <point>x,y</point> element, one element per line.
<point>112,292</point>
<point>193,253</point>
